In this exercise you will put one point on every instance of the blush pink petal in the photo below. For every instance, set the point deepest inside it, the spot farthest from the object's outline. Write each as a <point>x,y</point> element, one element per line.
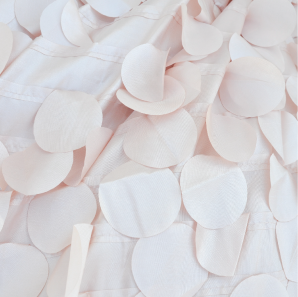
<point>232,138</point>
<point>165,265</point>
<point>7,11</point>
<point>28,14</point>
<point>143,71</point>
<point>161,141</point>
<point>173,98</point>
<point>281,129</point>
<point>50,225</point>
<point>218,250</point>
<point>207,11</point>
<point>23,270</point>
<point>292,49</point>
<point>199,38</point>
<point>113,8</point>
<point>251,87</point>
<point>150,199</point>
<point>183,56</point>
<point>50,23</point>
<point>291,86</point>
<point>34,171</point>
<point>4,206</point>
<point>232,18</point>
<point>21,41</point>
<point>81,236</point>
<point>267,24</point>
<point>72,25</point>
<point>84,157</point>
<point>262,285</point>
<point>189,76</point>
<point>65,119</point>
<point>283,193</point>
<point>204,182</point>
<point>6,42</point>
<point>3,155</point>
<point>286,233</point>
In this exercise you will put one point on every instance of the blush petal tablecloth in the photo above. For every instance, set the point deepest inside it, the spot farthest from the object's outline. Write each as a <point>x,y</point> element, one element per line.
<point>148,148</point>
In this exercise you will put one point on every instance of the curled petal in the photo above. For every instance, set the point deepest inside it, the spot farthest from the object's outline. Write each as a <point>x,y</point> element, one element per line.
<point>266,24</point>
<point>207,183</point>
<point>50,23</point>
<point>183,56</point>
<point>251,87</point>
<point>81,236</point>
<point>281,128</point>
<point>216,258</point>
<point>189,76</point>
<point>84,157</point>
<point>51,231</point>
<point>291,86</point>
<point>155,259</point>
<point>174,96</point>
<point>72,25</point>
<point>65,119</point>
<point>149,142</point>
<point>143,71</point>
<point>34,171</point>
<point>283,192</point>
<point>232,138</point>
<point>199,38</point>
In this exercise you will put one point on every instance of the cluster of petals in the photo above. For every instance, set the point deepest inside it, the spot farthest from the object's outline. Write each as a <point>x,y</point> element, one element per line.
<point>178,178</point>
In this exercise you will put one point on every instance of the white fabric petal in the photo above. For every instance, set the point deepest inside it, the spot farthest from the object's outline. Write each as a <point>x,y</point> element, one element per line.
<point>251,87</point>
<point>267,24</point>
<point>4,206</point>
<point>214,191</point>
<point>262,285</point>
<point>281,128</point>
<point>283,193</point>
<point>165,265</point>
<point>291,86</point>
<point>139,201</point>
<point>218,250</point>
<point>6,42</point>
<point>23,270</point>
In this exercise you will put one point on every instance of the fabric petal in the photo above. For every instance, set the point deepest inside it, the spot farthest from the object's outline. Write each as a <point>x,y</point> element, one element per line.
<point>267,24</point>
<point>23,270</point>
<point>150,199</point>
<point>143,71</point>
<point>232,138</point>
<point>204,181</point>
<point>34,171</point>
<point>84,157</point>
<point>49,225</point>
<point>251,87</point>
<point>4,206</point>
<point>6,39</point>
<point>218,250</point>
<point>72,25</point>
<point>199,38</point>
<point>173,98</point>
<point>262,285</point>
<point>149,142</point>
<point>65,119</point>
<point>165,265</point>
